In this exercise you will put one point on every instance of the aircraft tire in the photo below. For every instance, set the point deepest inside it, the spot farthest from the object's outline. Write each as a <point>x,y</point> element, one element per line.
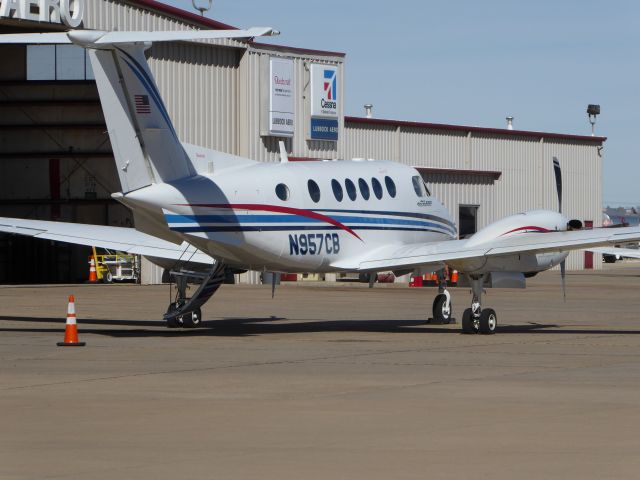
<point>439,313</point>
<point>488,321</point>
<point>468,325</point>
<point>192,319</point>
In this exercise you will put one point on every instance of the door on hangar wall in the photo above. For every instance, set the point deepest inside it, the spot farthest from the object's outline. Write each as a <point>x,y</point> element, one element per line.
<point>467,220</point>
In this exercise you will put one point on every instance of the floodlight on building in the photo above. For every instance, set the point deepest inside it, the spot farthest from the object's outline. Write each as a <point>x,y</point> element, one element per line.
<point>593,111</point>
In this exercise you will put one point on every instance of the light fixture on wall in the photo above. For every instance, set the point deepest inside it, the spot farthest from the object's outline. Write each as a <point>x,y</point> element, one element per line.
<point>593,111</point>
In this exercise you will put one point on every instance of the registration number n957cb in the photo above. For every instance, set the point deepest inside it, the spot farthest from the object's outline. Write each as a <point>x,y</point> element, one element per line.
<point>314,243</point>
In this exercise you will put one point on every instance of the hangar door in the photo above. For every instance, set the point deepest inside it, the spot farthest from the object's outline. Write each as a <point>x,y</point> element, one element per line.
<point>55,159</point>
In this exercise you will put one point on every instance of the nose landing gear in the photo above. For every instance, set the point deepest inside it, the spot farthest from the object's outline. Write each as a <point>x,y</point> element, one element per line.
<point>442,306</point>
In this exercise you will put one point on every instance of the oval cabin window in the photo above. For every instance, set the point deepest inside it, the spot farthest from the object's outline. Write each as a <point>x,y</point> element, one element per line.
<point>364,188</point>
<point>314,191</point>
<point>282,191</point>
<point>351,189</point>
<point>377,188</point>
<point>391,186</point>
<point>337,190</point>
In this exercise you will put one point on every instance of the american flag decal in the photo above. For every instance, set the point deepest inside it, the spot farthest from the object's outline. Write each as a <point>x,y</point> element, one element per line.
<point>142,104</point>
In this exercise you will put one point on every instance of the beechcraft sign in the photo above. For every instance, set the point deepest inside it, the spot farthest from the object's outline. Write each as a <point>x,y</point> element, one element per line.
<point>68,12</point>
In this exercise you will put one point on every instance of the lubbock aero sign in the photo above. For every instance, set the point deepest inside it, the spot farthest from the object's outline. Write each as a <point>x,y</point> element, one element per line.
<point>69,12</point>
<point>324,102</point>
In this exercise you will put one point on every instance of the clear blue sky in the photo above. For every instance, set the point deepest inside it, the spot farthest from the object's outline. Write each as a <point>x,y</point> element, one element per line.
<point>473,62</point>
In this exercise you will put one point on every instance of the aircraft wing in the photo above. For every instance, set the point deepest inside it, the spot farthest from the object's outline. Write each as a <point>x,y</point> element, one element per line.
<point>623,252</point>
<point>115,238</point>
<point>401,257</point>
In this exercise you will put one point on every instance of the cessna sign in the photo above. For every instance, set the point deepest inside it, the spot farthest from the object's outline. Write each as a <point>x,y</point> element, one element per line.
<point>69,12</point>
<point>325,99</point>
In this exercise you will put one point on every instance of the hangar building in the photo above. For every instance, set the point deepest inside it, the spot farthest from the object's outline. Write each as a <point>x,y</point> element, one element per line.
<point>241,97</point>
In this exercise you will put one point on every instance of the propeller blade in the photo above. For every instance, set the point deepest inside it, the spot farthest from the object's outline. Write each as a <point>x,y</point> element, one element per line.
<point>563,272</point>
<point>558,174</point>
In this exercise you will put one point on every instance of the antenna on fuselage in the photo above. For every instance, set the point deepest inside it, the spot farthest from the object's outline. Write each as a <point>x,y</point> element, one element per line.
<point>284,158</point>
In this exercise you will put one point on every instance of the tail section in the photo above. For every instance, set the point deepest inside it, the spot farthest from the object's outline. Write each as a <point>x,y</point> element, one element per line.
<point>144,141</point>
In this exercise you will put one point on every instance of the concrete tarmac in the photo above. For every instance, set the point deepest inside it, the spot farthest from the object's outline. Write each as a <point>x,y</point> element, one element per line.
<point>338,382</point>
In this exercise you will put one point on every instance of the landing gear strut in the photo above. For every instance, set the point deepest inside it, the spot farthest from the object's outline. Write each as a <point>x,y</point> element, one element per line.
<point>477,319</point>
<point>186,312</point>
<point>442,305</point>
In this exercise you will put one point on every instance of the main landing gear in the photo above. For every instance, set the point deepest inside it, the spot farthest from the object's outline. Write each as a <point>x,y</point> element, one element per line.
<point>186,312</point>
<point>477,319</point>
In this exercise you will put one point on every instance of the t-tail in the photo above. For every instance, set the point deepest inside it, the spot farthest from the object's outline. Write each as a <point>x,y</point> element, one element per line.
<point>143,138</point>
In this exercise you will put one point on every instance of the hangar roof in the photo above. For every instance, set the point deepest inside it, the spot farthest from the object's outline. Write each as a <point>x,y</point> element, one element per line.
<point>465,128</point>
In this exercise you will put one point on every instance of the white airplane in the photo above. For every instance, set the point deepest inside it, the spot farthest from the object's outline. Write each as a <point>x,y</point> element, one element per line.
<point>212,209</point>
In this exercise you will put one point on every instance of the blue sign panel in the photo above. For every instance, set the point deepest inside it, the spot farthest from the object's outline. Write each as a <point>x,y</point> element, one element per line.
<point>324,128</point>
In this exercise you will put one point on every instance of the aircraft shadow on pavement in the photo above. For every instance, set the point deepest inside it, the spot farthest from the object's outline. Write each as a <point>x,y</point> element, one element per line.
<point>248,326</point>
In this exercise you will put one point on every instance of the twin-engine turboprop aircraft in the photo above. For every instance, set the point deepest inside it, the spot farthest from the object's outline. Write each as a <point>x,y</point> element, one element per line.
<point>332,216</point>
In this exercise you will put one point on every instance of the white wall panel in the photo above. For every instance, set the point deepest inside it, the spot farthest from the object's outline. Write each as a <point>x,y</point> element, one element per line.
<point>200,87</point>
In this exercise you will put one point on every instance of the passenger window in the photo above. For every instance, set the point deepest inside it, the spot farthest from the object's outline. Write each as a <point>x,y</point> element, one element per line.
<point>337,189</point>
<point>314,191</point>
<point>351,189</point>
<point>391,186</point>
<point>282,191</point>
<point>418,185</point>
<point>377,188</point>
<point>364,188</point>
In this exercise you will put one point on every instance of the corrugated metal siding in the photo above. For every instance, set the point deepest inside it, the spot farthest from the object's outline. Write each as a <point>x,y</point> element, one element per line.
<point>117,15</point>
<point>199,84</point>
<point>527,180</point>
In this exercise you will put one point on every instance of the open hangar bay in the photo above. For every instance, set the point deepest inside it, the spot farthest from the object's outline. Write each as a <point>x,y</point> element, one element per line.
<point>324,382</point>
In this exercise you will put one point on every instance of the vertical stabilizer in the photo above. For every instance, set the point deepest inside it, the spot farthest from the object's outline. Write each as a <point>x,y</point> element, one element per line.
<point>145,144</point>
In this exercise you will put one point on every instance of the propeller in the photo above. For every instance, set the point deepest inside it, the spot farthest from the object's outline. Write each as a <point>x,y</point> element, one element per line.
<point>558,174</point>
<point>563,267</point>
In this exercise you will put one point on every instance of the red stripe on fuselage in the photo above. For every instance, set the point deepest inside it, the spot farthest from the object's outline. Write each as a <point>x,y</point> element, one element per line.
<point>531,227</point>
<point>277,209</point>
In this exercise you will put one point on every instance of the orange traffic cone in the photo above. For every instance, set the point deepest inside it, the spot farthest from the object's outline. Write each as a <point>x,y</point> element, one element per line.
<point>71,329</point>
<point>454,277</point>
<point>93,276</point>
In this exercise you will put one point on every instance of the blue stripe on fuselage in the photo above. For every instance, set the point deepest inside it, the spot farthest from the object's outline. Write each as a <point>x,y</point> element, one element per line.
<point>292,228</point>
<point>351,220</point>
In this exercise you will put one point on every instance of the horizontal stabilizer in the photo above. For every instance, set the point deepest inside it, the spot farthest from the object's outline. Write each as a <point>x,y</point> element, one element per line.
<point>97,38</point>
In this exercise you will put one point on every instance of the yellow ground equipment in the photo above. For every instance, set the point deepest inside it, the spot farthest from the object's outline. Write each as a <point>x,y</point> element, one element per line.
<point>116,266</point>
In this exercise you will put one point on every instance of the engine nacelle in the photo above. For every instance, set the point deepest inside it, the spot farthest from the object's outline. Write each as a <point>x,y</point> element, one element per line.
<point>536,222</point>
